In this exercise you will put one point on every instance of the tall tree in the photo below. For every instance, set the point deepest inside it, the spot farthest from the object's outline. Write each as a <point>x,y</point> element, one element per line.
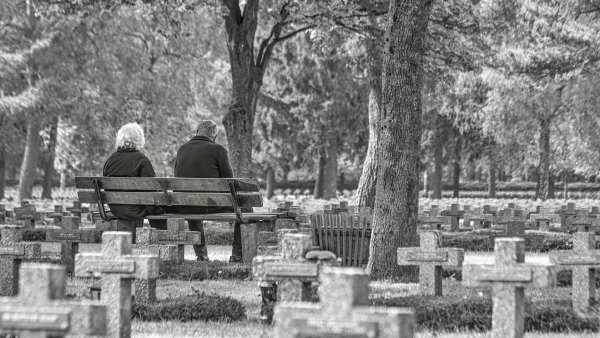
<point>396,201</point>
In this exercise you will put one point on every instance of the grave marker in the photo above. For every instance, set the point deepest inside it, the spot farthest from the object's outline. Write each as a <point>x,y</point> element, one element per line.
<point>40,310</point>
<point>26,214</point>
<point>57,215</point>
<point>509,277</point>
<point>583,260</point>
<point>455,216</point>
<point>344,311</point>
<point>77,210</point>
<point>430,258</point>
<point>118,267</point>
<point>12,252</point>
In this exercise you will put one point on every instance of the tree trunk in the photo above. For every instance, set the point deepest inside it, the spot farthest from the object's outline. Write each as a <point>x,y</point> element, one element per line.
<point>30,159</point>
<point>492,173</point>
<point>331,168</point>
<point>320,181</point>
<point>368,178</point>
<point>2,168</point>
<point>438,157</point>
<point>50,155</point>
<point>270,182</point>
<point>566,185</point>
<point>285,172</point>
<point>551,189</point>
<point>397,198</point>
<point>544,149</point>
<point>457,150</point>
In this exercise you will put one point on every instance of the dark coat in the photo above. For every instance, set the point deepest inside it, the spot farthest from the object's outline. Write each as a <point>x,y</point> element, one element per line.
<point>129,163</point>
<point>202,158</point>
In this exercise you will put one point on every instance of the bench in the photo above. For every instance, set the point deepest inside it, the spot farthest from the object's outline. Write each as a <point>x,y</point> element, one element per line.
<point>241,195</point>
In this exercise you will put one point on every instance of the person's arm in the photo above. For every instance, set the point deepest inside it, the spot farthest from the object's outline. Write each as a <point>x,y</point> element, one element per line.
<point>224,166</point>
<point>146,169</point>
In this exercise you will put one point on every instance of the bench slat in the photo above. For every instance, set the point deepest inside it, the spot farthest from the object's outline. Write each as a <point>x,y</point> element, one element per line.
<point>224,217</point>
<point>171,198</point>
<point>167,183</point>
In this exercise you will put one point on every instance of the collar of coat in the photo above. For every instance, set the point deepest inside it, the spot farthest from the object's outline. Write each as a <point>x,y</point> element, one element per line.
<point>126,150</point>
<point>202,138</point>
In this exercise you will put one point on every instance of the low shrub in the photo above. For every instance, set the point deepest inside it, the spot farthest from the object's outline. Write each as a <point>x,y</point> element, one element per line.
<point>201,306</point>
<point>194,270</point>
<point>34,235</point>
<point>452,313</point>
<point>218,234</point>
<point>534,241</point>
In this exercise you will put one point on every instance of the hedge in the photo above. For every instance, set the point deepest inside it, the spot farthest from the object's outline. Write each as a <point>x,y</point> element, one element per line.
<point>201,306</point>
<point>453,313</point>
<point>535,241</point>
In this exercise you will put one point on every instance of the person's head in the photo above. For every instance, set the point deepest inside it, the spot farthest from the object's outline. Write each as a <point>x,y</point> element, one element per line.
<point>207,128</point>
<point>130,135</point>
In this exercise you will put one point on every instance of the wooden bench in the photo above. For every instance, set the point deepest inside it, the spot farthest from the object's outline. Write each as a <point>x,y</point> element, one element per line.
<point>241,195</point>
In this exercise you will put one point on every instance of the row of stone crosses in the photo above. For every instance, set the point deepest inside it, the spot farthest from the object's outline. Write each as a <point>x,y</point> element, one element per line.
<point>39,308</point>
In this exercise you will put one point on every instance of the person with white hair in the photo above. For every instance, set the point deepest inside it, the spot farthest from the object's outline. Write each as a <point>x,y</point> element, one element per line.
<point>128,161</point>
<point>201,157</point>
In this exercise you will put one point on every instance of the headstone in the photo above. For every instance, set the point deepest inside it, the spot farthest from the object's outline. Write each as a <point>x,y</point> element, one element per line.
<point>567,215</point>
<point>509,277</point>
<point>57,215</point>
<point>430,258</point>
<point>77,210</point>
<point>26,214</point>
<point>584,224</point>
<point>583,260</point>
<point>40,310</point>
<point>291,274</point>
<point>69,237</point>
<point>118,267</point>
<point>344,311</point>
<point>12,252</point>
<point>455,215</point>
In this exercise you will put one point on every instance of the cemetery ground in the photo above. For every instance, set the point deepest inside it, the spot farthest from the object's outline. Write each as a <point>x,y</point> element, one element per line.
<point>234,281</point>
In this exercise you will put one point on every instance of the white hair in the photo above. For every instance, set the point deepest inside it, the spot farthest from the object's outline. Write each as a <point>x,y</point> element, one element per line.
<point>207,128</point>
<point>130,135</point>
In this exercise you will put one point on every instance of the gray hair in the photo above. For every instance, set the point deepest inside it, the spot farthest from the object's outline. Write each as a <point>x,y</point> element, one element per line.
<point>207,128</point>
<point>130,135</point>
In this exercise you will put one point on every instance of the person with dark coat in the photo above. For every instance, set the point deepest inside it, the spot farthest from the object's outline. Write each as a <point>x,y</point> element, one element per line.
<point>201,157</point>
<point>128,161</point>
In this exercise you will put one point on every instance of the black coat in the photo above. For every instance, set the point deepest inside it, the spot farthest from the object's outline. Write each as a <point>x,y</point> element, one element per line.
<point>129,163</point>
<point>202,158</point>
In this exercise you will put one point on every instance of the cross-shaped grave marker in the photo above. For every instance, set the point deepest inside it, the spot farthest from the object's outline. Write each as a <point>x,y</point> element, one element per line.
<point>455,216</point>
<point>118,267</point>
<point>584,224</point>
<point>77,210</point>
<point>57,215</point>
<point>513,221</point>
<point>69,236</point>
<point>567,215</point>
<point>543,218</point>
<point>26,214</point>
<point>430,258</point>
<point>40,310</point>
<point>12,252</point>
<point>583,260</point>
<point>288,277</point>
<point>509,277</point>
<point>344,311</point>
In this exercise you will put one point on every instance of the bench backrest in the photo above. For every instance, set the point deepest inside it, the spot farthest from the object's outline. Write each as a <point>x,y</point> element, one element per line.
<point>166,191</point>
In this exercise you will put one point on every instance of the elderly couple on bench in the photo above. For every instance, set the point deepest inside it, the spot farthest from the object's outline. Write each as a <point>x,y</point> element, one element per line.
<point>201,157</point>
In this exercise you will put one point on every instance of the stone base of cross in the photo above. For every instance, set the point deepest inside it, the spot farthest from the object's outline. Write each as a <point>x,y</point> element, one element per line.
<point>40,310</point>
<point>344,311</point>
<point>509,277</point>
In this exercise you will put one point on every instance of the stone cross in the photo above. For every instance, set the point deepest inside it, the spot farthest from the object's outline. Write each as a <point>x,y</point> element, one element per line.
<point>584,224</point>
<point>57,215</point>
<point>178,232</point>
<point>430,258</point>
<point>431,223</point>
<point>40,310</point>
<point>290,275</point>
<point>344,311</point>
<point>118,267</point>
<point>455,216</point>
<point>12,251</point>
<point>77,209</point>
<point>513,221</point>
<point>69,236</point>
<point>584,259</point>
<point>567,215</point>
<point>26,214</point>
<point>509,277</point>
